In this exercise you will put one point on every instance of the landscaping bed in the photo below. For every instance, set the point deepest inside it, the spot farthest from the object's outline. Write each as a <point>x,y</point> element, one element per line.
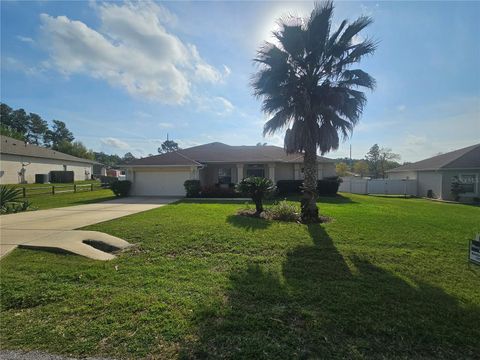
<point>387,279</point>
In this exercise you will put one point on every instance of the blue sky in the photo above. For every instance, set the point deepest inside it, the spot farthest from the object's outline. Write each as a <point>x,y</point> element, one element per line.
<point>123,75</point>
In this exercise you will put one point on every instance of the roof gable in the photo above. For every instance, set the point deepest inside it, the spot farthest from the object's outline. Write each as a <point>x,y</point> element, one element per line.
<point>466,158</point>
<point>13,146</point>
<point>223,153</point>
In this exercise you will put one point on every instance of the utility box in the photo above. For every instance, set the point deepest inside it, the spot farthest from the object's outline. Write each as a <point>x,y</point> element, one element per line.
<point>41,178</point>
<point>62,176</point>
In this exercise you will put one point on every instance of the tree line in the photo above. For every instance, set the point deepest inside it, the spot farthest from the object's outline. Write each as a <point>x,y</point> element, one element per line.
<point>377,162</point>
<point>31,128</point>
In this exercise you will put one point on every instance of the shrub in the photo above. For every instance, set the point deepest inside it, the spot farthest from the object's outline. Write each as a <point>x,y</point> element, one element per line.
<point>327,186</point>
<point>456,188</point>
<point>9,195</point>
<point>257,188</point>
<point>11,200</point>
<point>215,191</point>
<point>121,187</point>
<point>192,188</point>
<point>284,211</point>
<point>289,187</point>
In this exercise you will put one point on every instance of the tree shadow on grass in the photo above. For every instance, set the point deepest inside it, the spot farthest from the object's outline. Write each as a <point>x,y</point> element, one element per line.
<point>318,307</point>
<point>248,223</point>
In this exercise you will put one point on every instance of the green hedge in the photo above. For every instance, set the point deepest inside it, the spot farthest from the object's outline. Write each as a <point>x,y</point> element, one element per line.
<point>327,186</point>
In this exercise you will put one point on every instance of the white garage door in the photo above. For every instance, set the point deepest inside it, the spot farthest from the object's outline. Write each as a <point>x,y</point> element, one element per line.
<point>161,183</point>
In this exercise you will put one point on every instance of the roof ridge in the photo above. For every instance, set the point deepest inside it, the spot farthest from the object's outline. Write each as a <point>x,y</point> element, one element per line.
<point>186,157</point>
<point>472,147</point>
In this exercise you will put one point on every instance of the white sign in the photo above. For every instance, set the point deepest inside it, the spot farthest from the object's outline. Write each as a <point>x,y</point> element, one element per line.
<point>474,250</point>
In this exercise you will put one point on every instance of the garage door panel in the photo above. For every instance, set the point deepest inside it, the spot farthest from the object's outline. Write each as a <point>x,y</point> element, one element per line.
<point>160,183</point>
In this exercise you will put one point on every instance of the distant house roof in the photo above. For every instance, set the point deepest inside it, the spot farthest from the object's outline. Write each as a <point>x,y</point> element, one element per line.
<point>466,158</point>
<point>223,153</point>
<point>12,146</point>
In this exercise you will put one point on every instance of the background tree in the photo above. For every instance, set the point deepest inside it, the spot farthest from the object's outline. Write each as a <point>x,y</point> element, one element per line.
<point>360,168</point>
<point>75,148</point>
<point>5,115</point>
<point>6,131</point>
<point>37,128</point>
<point>19,121</point>
<point>387,160</point>
<point>168,146</point>
<point>308,88</point>
<point>127,158</point>
<point>373,160</point>
<point>342,169</point>
<point>58,134</point>
<point>107,160</point>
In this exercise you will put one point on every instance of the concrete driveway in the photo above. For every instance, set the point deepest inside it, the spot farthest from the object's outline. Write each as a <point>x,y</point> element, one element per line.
<point>53,228</point>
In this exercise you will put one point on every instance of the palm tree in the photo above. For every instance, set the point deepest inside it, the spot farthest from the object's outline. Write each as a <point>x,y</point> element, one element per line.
<point>308,87</point>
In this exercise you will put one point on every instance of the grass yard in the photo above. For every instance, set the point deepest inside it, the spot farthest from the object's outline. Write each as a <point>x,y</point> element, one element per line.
<point>46,201</point>
<point>388,278</point>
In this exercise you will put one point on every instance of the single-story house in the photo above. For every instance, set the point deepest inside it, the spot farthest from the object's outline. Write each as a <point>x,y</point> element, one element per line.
<point>216,163</point>
<point>435,175</point>
<point>20,161</point>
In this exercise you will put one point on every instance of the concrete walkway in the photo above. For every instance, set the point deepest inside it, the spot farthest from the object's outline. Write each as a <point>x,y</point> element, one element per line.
<point>53,229</point>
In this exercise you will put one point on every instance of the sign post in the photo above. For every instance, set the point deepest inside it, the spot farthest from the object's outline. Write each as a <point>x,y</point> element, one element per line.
<point>474,250</point>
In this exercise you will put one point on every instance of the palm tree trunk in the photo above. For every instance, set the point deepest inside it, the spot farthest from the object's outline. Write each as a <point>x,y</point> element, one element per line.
<point>309,200</point>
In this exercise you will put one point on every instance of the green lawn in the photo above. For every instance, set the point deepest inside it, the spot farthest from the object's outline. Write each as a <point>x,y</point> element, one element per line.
<point>387,278</point>
<point>48,201</point>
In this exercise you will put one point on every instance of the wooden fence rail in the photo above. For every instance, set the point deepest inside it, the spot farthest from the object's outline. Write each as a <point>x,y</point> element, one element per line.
<point>61,189</point>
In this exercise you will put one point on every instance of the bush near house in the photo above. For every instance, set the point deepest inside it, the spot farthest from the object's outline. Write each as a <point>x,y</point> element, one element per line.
<point>121,188</point>
<point>192,188</point>
<point>216,191</point>
<point>327,186</point>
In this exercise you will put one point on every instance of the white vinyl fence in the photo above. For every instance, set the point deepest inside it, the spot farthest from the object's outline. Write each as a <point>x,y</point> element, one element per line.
<point>379,186</point>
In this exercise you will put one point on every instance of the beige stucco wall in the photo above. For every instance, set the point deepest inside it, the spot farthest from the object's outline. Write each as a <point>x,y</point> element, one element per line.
<point>284,171</point>
<point>10,165</point>
<point>326,170</point>
<point>429,180</point>
<point>447,184</point>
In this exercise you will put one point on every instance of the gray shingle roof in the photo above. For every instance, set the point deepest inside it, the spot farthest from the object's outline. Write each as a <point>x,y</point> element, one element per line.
<point>12,146</point>
<point>466,158</point>
<point>223,153</point>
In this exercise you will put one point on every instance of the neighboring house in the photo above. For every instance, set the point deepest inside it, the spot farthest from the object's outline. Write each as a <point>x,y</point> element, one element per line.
<point>216,163</point>
<point>435,175</point>
<point>20,161</point>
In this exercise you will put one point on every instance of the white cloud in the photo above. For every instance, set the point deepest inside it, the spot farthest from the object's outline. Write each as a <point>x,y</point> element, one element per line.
<point>25,39</point>
<point>217,105</point>
<point>414,140</point>
<point>401,107</point>
<point>116,143</point>
<point>132,50</point>
<point>12,64</point>
<point>165,125</point>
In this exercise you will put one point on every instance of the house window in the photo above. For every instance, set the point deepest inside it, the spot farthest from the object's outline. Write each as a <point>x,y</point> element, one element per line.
<point>468,182</point>
<point>255,170</point>
<point>224,175</point>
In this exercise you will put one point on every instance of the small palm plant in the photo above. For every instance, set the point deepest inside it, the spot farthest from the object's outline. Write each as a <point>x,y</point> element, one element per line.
<point>257,188</point>
<point>9,195</point>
